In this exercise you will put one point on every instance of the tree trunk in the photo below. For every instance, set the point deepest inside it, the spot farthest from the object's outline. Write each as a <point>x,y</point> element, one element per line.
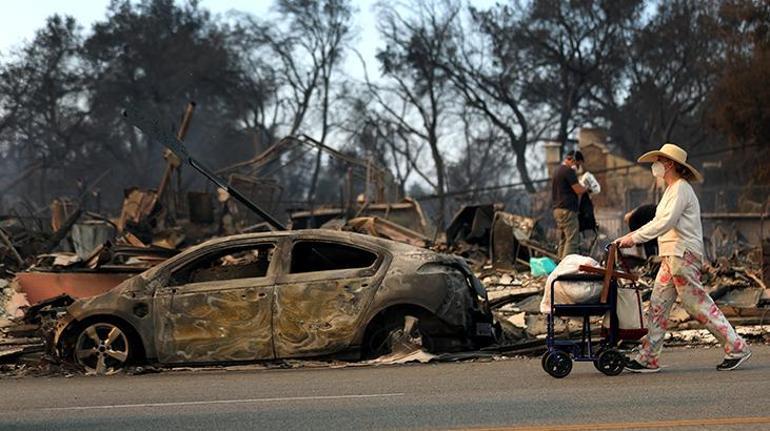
<point>324,132</point>
<point>440,186</point>
<point>521,165</point>
<point>562,137</point>
<point>314,180</point>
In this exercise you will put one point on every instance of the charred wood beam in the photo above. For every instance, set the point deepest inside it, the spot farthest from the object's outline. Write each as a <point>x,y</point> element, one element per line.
<point>66,227</point>
<point>152,129</point>
<point>59,235</point>
<point>181,134</point>
<point>11,248</point>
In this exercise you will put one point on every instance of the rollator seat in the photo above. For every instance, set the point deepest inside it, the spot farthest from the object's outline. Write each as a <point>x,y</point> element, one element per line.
<point>581,310</point>
<point>580,277</point>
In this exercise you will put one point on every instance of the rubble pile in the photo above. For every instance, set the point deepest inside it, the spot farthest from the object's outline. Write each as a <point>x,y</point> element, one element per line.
<point>688,337</point>
<point>21,346</point>
<point>497,245</point>
<point>46,263</point>
<point>487,235</point>
<point>24,332</point>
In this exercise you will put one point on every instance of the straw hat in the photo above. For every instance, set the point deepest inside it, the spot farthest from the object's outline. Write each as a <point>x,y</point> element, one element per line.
<point>671,152</point>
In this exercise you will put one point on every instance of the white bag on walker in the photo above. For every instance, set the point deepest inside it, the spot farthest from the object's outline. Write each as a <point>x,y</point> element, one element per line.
<point>570,292</point>
<point>630,315</point>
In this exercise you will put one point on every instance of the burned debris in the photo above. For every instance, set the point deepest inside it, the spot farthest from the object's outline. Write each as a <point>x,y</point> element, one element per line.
<point>233,284</point>
<point>370,278</point>
<point>501,263</point>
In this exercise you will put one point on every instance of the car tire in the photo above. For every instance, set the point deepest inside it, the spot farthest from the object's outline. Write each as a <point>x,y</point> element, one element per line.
<point>102,347</point>
<point>379,341</point>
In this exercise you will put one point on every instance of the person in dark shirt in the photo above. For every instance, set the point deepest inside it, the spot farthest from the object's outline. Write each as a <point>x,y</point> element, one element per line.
<point>565,190</point>
<point>639,217</point>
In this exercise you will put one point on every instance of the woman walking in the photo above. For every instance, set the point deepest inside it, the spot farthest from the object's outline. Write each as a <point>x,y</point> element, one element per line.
<point>677,226</point>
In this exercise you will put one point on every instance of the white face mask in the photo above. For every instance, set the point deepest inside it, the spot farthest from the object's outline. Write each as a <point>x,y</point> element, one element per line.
<point>658,170</point>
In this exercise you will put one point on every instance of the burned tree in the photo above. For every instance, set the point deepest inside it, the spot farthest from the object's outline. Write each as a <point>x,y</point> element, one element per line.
<point>166,54</point>
<point>42,123</point>
<point>309,48</point>
<point>738,106</point>
<point>575,47</point>
<point>415,97</point>
<point>324,26</point>
<point>489,69</point>
<point>667,84</point>
<point>740,109</point>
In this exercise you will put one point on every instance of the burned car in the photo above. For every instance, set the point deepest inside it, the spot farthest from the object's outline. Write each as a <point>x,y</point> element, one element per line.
<point>289,294</point>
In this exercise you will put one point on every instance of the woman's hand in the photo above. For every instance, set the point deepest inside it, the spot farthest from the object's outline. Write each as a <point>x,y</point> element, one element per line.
<point>625,241</point>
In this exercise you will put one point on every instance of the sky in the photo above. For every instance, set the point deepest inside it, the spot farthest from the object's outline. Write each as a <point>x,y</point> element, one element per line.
<point>19,26</point>
<point>20,19</point>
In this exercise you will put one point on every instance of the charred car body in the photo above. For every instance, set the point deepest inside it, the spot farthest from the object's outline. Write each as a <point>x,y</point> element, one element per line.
<point>275,295</point>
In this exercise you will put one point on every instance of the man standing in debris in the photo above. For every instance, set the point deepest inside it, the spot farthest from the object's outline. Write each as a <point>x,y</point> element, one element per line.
<point>565,191</point>
<point>677,226</point>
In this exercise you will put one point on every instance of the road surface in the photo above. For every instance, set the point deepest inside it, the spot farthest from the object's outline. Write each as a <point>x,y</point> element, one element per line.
<point>508,394</point>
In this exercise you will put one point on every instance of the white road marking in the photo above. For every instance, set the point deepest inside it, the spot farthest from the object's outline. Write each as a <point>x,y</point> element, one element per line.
<point>215,402</point>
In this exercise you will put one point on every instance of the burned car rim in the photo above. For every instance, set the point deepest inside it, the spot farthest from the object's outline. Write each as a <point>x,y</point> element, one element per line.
<point>102,348</point>
<point>400,331</point>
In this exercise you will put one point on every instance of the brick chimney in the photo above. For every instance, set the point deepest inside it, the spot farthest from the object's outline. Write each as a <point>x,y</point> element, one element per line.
<point>552,156</point>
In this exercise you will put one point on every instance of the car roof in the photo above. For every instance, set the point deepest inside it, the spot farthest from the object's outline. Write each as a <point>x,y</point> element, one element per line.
<point>397,249</point>
<point>315,234</point>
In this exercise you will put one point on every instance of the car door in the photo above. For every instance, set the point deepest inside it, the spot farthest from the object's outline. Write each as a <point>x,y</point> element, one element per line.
<point>218,307</point>
<point>320,299</point>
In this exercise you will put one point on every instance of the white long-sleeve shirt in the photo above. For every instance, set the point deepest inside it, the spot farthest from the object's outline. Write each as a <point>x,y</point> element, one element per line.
<point>677,223</point>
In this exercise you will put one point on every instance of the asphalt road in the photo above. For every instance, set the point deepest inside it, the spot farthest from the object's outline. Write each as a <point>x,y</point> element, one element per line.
<point>509,394</point>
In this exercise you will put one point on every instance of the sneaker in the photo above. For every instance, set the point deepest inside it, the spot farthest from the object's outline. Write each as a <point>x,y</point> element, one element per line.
<point>636,367</point>
<point>734,362</point>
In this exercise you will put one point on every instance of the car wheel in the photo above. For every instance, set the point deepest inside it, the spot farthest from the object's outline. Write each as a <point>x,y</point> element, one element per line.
<point>102,348</point>
<point>395,332</point>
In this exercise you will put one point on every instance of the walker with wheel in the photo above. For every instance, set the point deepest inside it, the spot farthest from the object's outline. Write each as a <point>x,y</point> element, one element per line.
<point>558,359</point>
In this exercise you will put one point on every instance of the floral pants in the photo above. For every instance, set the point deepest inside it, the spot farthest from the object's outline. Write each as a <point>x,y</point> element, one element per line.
<point>681,276</point>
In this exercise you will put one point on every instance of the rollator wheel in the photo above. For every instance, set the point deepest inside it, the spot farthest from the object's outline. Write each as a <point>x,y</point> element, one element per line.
<point>611,362</point>
<point>596,361</point>
<point>544,358</point>
<point>558,364</point>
